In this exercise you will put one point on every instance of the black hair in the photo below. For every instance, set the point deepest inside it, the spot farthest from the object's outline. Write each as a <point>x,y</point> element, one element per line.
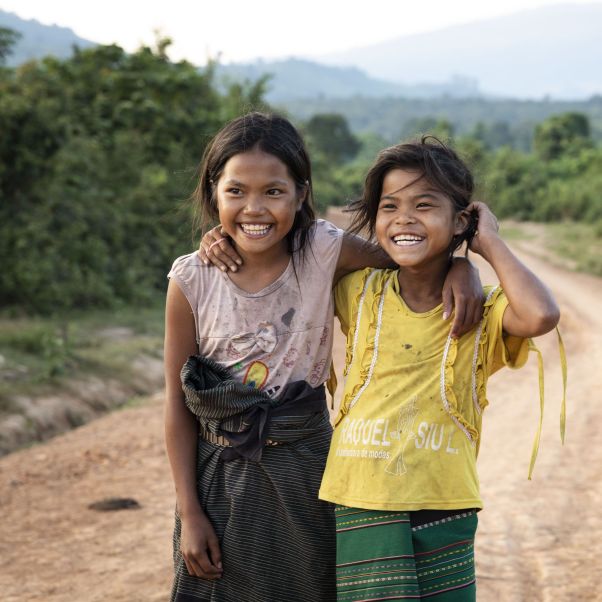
<point>272,134</point>
<point>436,162</point>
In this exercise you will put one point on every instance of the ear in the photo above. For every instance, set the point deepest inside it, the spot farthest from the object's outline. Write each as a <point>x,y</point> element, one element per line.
<point>462,220</point>
<point>303,196</point>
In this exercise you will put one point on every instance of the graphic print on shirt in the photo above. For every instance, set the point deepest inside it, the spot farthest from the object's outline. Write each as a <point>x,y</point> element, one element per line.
<point>405,424</point>
<point>265,338</point>
<point>256,375</point>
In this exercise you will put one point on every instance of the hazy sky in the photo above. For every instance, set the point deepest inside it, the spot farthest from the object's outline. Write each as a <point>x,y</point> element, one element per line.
<point>247,29</point>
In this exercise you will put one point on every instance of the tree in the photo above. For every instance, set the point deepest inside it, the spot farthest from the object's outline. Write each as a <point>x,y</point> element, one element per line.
<point>97,156</point>
<point>560,134</point>
<point>425,126</point>
<point>8,38</point>
<point>329,134</point>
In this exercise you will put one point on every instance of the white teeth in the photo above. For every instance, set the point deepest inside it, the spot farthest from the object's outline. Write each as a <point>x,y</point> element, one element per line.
<point>407,239</point>
<point>256,229</point>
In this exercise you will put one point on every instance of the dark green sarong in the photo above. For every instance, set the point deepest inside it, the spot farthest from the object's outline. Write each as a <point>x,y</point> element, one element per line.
<point>385,555</point>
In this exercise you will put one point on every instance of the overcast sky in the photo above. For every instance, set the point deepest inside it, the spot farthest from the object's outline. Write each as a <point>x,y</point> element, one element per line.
<point>241,30</point>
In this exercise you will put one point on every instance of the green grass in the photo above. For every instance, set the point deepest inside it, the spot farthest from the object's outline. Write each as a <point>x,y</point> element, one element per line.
<point>40,354</point>
<point>511,231</point>
<point>581,243</point>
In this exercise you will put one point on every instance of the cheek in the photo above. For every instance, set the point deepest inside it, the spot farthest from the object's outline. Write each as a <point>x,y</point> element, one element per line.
<point>380,231</point>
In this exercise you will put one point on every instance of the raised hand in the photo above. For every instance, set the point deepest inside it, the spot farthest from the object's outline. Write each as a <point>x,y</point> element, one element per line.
<point>487,226</point>
<point>215,248</point>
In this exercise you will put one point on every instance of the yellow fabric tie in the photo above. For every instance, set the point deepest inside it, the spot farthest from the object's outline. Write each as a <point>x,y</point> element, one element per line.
<point>563,367</point>
<point>564,379</point>
<point>331,384</point>
<point>532,347</point>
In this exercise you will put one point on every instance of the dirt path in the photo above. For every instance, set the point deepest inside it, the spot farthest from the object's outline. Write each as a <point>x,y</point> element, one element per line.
<point>538,540</point>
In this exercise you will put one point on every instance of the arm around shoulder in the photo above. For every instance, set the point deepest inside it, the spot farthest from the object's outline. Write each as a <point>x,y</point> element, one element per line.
<point>358,253</point>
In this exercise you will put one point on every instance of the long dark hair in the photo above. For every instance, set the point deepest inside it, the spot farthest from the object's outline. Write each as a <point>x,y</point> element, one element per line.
<point>271,134</point>
<point>436,162</point>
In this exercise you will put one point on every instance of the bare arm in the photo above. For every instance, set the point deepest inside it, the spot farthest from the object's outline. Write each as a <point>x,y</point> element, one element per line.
<point>532,310</point>
<point>462,291</point>
<point>199,543</point>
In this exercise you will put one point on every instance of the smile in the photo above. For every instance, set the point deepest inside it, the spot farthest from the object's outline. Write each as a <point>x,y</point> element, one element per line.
<point>256,230</point>
<point>407,240</point>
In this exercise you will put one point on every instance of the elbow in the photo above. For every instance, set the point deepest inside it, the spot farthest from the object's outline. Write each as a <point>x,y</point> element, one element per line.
<point>546,319</point>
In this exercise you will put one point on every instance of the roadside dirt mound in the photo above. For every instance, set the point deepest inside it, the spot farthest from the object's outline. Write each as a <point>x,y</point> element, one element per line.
<point>82,399</point>
<point>538,540</point>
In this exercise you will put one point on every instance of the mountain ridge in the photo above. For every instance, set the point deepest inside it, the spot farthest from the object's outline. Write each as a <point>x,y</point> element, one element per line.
<point>552,50</point>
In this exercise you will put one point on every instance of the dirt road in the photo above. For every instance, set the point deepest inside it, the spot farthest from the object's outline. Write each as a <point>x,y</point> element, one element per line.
<point>538,541</point>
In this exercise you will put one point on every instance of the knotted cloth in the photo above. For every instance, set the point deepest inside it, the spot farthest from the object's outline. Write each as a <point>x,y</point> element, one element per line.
<point>246,416</point>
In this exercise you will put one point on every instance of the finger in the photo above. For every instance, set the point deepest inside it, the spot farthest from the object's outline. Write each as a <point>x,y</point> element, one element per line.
<point>208,239</point>
<point>477,313</point>
<point>202,253</point>
<point>448,302</point>
<point>218,263</point>
<point>459,324</point>
<point>215,553</point>
<point>222,250</point>
<point>198,567</point>
<point>209,570</point>
<point>189,567</point>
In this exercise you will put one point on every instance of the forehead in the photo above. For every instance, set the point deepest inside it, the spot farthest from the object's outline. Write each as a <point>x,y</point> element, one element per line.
<point>255,165</point>
<point>405,181</point>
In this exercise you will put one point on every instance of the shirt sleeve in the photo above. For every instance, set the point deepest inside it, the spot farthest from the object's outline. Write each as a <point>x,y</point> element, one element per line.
<point>502,349</point>
<point>347,294</point>
<point>326,248</point>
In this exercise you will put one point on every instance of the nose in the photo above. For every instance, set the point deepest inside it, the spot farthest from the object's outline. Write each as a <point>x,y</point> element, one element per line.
<point>405,215</point>
<point>254,204</point>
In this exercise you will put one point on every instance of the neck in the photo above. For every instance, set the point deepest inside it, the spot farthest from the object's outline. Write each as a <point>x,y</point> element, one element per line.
<point>422,287</point>
<point>275,256</point>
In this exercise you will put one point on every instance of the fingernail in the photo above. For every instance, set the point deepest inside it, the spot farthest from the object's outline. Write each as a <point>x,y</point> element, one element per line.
<point>219,565</point>
<point>233,268</point>
<point>239,261</point>
<point>206,262</point>
<point>445,315</point>
<point>223,269</point>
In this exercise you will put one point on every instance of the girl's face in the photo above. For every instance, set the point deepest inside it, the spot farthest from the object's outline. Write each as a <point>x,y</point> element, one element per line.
<point>415,223</point>
<point>257,201</point>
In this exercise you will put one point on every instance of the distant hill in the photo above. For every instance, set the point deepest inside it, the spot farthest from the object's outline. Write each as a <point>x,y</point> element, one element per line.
<point>552,50</point>
<point>302,79</point>
<point>38,39</point>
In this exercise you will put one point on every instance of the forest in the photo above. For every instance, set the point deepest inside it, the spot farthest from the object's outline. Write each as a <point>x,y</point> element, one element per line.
<point>99,152</point>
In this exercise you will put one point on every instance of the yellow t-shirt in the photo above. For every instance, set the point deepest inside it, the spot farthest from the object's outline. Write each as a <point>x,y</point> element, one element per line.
<point>407,435</point>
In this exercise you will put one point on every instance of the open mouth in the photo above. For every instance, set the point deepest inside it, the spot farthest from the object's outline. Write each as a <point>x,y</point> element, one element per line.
<point>407,240</point>
<point>256,230</point>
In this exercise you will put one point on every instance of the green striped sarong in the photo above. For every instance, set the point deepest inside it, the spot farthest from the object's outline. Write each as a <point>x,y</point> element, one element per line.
<point>385,555</point>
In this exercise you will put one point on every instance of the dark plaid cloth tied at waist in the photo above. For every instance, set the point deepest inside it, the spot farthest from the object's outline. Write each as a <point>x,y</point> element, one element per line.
<point>277,538</point>
<point>246,417</point>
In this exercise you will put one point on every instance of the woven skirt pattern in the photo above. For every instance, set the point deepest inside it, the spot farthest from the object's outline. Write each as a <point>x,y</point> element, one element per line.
<point>381,556</point>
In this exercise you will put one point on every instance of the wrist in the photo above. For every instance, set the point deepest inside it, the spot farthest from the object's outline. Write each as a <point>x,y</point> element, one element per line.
<point>190,510</point>
<point>489,244</point>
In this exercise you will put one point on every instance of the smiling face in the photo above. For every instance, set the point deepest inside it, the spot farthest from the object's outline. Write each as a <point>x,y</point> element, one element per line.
<point>257,202</point>
<point>415,223</point>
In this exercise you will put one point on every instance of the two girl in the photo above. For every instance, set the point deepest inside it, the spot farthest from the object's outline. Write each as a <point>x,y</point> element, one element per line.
<point>246,358</point>
<point>402,463</point>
